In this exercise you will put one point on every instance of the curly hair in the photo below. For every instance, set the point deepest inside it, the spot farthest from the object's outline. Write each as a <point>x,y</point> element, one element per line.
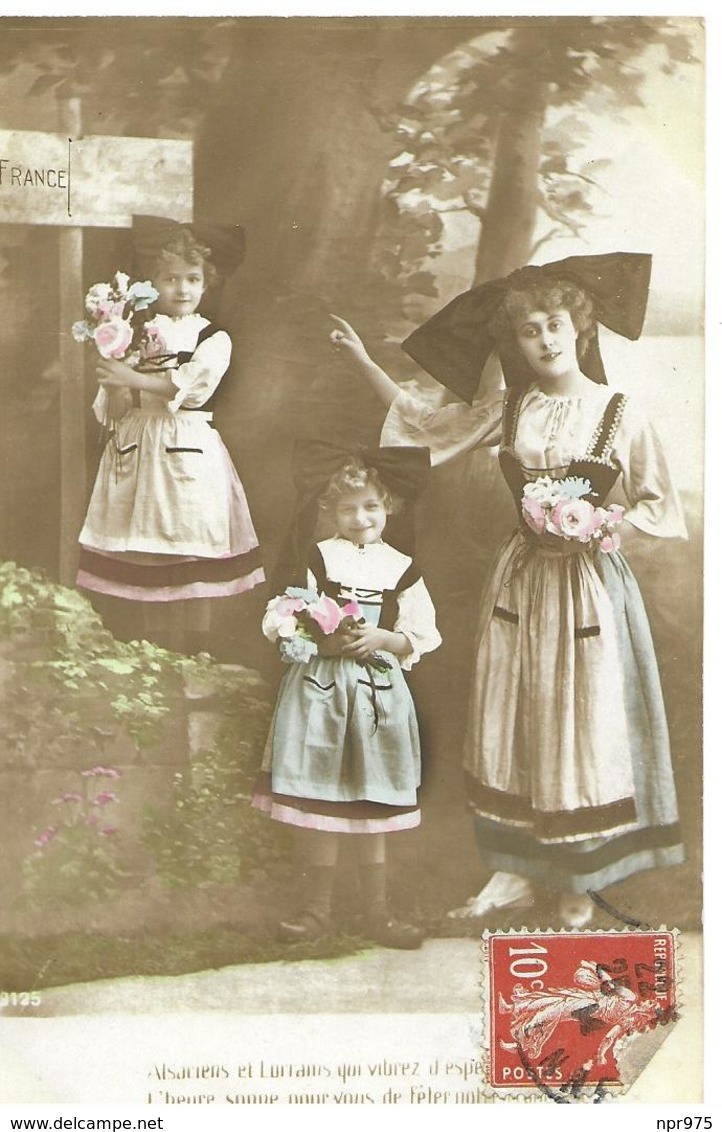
<point>549,295</point>
<point>355,476</point>
<point>183,244</point>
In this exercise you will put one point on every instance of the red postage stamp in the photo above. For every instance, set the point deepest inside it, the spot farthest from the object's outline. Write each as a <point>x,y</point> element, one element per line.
<point>564,1008</point>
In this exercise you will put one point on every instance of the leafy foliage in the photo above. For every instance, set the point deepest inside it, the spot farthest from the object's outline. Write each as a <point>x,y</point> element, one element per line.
<point>146,77</point>
<point>72,693</point>
<point>451,123</point>
<point>77,682</point>
<point>210,834</point>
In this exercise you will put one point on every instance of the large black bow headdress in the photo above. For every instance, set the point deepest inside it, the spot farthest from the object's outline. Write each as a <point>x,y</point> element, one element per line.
<point>226,242</point>
<point>454,345</point>
<point>403,470</point>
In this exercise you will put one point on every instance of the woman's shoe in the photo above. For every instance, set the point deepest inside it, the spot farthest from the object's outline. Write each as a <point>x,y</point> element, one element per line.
<point>306,925</point>
<point>576,909</point>
<point>504,890</point>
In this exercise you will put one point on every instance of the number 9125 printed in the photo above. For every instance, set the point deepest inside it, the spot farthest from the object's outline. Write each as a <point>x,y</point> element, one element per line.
<point>20,999</point>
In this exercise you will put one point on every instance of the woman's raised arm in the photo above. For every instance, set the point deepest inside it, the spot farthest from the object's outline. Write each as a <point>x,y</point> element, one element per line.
<point>344,337</point>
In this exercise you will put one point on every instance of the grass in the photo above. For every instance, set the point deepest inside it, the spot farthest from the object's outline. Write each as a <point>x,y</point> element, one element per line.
<point>50,961</point>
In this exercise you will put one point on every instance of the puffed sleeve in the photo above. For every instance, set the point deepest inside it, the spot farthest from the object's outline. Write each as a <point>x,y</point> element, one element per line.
<point>199,378</point>
<point>448,430</point>
<point>655,506</point>
<point>417,621</point>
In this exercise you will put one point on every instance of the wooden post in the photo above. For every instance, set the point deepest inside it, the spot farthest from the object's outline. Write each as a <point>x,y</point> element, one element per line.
<point>73,498</point>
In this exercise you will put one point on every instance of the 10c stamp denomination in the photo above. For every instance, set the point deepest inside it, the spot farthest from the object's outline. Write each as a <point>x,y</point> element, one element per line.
<point>564,1010</point>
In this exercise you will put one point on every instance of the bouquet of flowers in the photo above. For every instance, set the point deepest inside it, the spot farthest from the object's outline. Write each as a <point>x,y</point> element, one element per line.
<point>116,332</point>
<point>560,507</point>
<point>111,308</point>
<point>299,618</point>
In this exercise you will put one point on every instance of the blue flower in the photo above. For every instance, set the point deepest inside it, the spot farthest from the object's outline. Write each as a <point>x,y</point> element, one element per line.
<point>297,650</point>
<point>141,295</point>
<point>81,331</point>
<point>298,591</point>
<point>574,487</point>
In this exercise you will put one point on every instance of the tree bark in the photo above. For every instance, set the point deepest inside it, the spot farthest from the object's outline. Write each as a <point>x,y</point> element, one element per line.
<point>508,229</point>
<point>296,154</point>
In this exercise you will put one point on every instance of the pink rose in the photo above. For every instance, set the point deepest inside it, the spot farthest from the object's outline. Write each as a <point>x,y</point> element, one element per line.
<point>609,543</point>
<point>615,514</point>
<point>575,519</point>
<point>326,614</point>
<point>352,609</point>
<point>534,514</point>
<point>113,338</point>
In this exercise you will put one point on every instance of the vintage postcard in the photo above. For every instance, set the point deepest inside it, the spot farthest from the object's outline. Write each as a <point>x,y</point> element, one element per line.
<point>351,559</point>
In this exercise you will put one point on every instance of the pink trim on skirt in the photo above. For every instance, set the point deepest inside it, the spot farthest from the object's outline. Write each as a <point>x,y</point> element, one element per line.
<point>332,823</point>
<point>170,593</point>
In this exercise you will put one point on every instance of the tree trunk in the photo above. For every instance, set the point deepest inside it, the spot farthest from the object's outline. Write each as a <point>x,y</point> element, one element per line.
<point>295,153</point>
<point>510,217</point>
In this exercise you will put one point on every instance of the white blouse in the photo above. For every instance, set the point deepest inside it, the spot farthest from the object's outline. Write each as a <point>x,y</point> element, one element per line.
<point>195,380</point>
<point>199,378</point>
<point>551,431</point>
<point>379,566</point>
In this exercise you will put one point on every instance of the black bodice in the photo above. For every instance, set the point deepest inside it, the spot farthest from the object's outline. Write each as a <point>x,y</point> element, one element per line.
<point>595,465</point>
<point>388,599</point>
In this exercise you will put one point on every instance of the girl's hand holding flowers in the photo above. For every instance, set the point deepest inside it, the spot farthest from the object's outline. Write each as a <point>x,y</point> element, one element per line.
<point>305,623</point>
<point>363,640</point>
<point>115,374</point>
<point>335,643</point>
<point>112,326</point>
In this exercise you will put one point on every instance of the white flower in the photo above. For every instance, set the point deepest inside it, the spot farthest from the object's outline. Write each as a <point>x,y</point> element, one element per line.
<point>275,624</point>
<point>544,490</point>
<point>99,293</point>
<point>121,283</point>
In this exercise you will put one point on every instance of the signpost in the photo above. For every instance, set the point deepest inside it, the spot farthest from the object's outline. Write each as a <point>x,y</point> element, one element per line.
<point>75,182</point>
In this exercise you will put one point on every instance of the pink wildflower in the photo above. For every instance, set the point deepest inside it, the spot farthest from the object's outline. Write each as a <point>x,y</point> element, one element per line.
<point>104,797</point>
<point>46,836</point>
<point>70,796</point>
<point>108,830</point>
<point>101,772</point>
